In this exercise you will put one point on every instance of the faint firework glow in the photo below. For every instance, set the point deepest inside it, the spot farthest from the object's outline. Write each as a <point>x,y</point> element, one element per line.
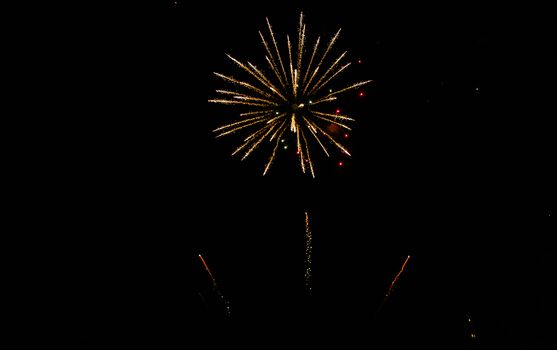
<point>291,95</point>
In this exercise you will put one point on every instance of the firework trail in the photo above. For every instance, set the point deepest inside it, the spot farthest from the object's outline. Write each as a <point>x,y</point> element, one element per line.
<point>215,286</point>
<point>308,261</point>
<point>287,97</point>
<point>208,270</point>
<point>392,285</point>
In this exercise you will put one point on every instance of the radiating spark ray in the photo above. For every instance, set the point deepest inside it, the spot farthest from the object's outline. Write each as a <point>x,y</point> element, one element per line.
<point>236,102</point>
<point>227,92</point>
<point>314,133</point>
<point>256,143</point>
<point>277,131</point>
<point>238,123</point>
<point>307,153</point>
<point>290,65</point>
<point>323,100</point>
<point>293,123</point>
<point>334,116</point>
<point>322,84</point>
<point>276,48</point>
<point>269,123</point>
<point>239,127</point>
<point>301,43</point>
<point>307,85</point>
<point>301,39</point>
<point>311,61</point>
<point>295,83</point>
<point>271,60</point>
<point>268,83</point>
<point>274,68</point>
<point>300,151</point>
<point>350,87</point>
<point>257,75</point>
<point>328,136</point>
<point>331,43</point>
<point>236,94</point>
<point>334,122</point>
<point>248,139</point>
<point>256,99</point>
<point>327,72</point>
<point>265,111</point>
<point>281,128</point>
<point>244,84</point>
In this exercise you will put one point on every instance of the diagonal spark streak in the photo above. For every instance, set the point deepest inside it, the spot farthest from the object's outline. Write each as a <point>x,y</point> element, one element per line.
<point>397,276</point>
<point>215,286</point>
<point>391,286</point>
<point>208,270</point>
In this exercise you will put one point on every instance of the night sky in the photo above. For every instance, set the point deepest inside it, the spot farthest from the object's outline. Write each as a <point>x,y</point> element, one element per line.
<point>450,165</point>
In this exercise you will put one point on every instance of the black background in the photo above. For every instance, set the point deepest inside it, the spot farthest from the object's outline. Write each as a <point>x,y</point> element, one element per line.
<point>451,165</point>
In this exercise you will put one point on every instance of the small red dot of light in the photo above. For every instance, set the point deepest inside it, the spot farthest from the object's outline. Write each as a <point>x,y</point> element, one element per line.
<point>345,136</point>
<point>361,94</point>
<point>338,111</point>
<point>360,61</point>
<point>340,163</point>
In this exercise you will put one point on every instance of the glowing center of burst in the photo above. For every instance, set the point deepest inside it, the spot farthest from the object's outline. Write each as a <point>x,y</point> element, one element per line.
<point>297,106</point>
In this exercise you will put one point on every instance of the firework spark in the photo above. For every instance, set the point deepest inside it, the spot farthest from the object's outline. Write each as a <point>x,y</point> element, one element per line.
<point>215,287</point>
<point>392,285</point>
<point>208,270</point>
<point>471,330</point>
<point>396,277</point>
<point>308,261</point>
<point>287,96</point>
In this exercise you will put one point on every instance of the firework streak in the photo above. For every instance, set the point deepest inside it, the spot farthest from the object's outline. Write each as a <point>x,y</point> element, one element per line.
<point>393,284</point>
<point>307,274</point>
<point>215,287</point>
<point>208,270</point>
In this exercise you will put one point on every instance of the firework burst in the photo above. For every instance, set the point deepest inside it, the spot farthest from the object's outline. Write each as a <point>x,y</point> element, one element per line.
<point>289,96</point>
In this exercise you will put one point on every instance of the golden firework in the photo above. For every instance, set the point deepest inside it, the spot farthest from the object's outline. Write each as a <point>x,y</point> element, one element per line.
<point>287,97</point>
